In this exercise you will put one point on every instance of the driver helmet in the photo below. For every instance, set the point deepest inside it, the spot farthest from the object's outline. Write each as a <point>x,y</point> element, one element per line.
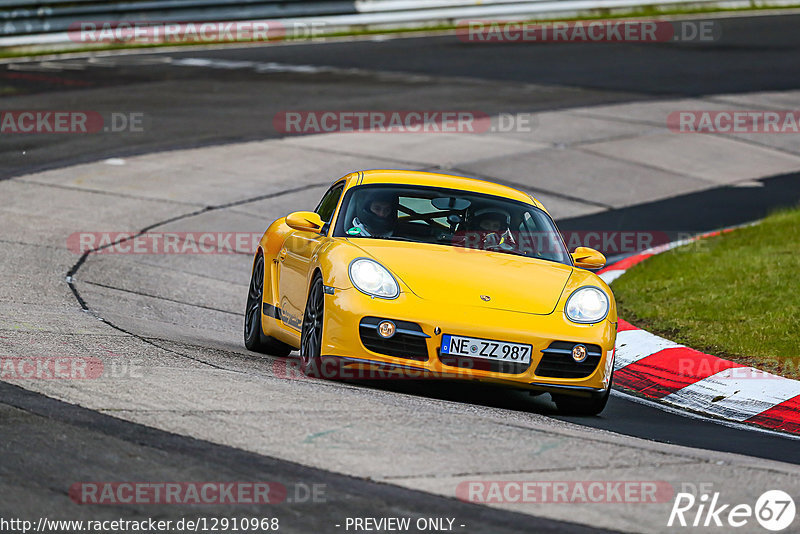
<point>378,212</point>
<point>491,220</point>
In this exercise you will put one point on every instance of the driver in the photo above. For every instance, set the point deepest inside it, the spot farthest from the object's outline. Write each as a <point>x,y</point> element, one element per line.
<point>491,221</point>
<point>493,225</point>
<point>377,215</point>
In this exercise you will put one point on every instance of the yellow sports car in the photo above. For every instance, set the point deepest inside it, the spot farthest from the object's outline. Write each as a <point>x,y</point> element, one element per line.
<point>412,274</point>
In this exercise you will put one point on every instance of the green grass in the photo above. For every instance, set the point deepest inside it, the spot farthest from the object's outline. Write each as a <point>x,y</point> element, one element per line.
<point>736,296</point>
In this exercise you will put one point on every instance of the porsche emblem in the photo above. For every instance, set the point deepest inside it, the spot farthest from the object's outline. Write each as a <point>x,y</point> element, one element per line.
<point>486,298</point>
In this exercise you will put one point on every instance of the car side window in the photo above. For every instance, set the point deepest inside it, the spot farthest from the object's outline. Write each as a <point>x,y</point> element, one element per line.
<point>329,201</point>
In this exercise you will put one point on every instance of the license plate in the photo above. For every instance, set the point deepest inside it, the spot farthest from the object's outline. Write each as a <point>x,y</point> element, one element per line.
<point>485,348</point>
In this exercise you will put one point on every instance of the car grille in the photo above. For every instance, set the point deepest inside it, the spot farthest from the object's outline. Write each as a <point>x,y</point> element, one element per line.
<point>557,361</point>
<point>480,364</point>
<point>408,342</point>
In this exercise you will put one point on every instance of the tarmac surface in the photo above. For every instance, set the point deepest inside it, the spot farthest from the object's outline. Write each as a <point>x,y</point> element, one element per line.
<point>180,397</point>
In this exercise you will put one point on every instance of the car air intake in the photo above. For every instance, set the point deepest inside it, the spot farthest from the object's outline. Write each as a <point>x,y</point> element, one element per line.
<point>557,361</point>
<point>408,342</point>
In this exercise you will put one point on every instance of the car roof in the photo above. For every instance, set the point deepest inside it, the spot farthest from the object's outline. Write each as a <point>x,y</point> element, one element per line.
<point>439,180</point>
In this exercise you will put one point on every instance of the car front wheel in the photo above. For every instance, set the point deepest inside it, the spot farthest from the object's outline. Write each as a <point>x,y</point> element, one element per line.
<point>311,332</point>
<point>570,405</point>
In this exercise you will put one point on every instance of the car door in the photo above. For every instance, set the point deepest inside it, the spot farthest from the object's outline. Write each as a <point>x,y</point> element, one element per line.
<point>294,261</point>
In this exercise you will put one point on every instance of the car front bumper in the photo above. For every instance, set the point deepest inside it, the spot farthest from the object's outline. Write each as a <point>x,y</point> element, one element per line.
<point>346,354</point>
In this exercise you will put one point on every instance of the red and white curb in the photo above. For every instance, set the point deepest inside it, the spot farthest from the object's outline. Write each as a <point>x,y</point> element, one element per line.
<point>686,378</point>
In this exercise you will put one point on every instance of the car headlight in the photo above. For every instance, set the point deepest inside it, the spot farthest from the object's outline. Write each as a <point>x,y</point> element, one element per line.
<point>372,278</point>
<point>587,305</point>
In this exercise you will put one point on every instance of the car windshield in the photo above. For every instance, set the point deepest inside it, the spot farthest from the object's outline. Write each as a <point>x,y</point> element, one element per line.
<point>451,218</point>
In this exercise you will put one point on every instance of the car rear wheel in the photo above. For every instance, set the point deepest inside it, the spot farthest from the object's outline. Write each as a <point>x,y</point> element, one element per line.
<point>311,333</point>
<point>254,338</point>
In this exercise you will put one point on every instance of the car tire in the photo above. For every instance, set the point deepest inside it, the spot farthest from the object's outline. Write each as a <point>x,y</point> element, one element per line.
<point>254,337</point>
<point>571,405</point>
<point>311,332</point>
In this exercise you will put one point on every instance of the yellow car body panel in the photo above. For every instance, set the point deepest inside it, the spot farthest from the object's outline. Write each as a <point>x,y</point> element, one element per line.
<point>440,290</point>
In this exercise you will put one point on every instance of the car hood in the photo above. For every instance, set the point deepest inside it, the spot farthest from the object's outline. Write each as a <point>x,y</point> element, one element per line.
<point>465,277</point>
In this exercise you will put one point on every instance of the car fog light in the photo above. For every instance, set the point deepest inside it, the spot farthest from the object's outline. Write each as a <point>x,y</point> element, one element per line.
<point>386,329</point>
<point>579,353</point>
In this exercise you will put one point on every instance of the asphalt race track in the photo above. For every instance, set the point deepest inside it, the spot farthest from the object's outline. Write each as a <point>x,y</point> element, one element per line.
<point>200,105</point>
<point>209,158</point>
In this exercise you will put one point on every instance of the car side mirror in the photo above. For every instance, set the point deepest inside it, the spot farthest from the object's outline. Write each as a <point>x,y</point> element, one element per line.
<point>307,221</point>
<point>588,258</point>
